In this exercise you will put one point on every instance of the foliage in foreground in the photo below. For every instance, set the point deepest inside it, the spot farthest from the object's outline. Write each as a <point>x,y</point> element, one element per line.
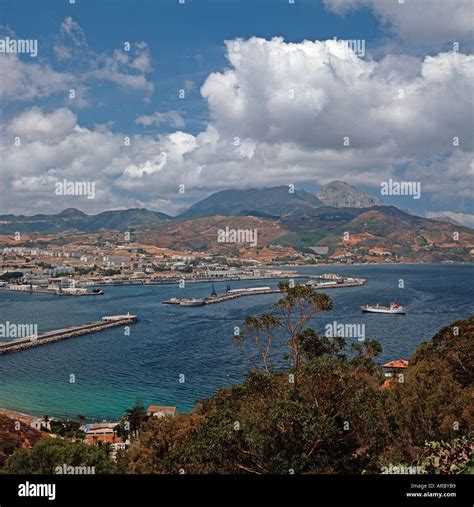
<point>327,413</point>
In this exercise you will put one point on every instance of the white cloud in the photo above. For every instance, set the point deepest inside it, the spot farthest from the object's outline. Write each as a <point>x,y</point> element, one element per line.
<point>33,125</point>
<point>280,113</point>
<point>418,21</point>
<point>71,34</point>
<point>26,81</point>
<point>173,118</point>
<point>122,67</point>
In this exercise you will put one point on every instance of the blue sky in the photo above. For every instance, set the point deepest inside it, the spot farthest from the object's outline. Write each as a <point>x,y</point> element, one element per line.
<point>231,95</point>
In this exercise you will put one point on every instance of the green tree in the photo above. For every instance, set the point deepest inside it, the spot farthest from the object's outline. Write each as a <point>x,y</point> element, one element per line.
<point>48,454</point>
<point>136,416</point>
<point>338,420</point>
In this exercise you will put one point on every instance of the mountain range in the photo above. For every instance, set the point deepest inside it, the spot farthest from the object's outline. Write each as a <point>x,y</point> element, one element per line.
<point>296,220</point>
<point>273,203</point>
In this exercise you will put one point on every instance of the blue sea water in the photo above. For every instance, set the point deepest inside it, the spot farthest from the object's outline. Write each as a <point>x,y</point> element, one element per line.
<point>111,369</point>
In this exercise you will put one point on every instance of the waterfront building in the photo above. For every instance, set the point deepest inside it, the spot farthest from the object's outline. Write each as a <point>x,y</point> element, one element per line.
<point>159,411</point>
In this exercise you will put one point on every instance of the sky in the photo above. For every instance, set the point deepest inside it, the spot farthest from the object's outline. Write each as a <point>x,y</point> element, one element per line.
<point>161,103</point>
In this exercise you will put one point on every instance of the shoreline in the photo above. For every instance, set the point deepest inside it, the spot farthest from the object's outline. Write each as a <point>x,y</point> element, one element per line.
<point>291,274</point>
<point>16,415</point>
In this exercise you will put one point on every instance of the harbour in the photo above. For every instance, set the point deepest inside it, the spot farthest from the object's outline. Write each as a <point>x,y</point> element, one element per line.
<point>113,369</point>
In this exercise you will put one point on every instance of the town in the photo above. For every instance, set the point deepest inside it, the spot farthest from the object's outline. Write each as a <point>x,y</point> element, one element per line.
<point>78,269</point>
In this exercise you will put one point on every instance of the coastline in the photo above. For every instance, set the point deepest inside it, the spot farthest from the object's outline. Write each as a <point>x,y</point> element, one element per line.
<point>17,416</point>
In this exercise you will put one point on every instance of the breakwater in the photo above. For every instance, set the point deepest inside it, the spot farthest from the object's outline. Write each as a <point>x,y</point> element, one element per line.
<point>63,334</point>
<point>219,298</point>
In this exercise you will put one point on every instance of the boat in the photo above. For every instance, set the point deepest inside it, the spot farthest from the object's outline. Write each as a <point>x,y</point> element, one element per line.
<point>393,308</point>
<point>191,302</point>
<point>172,301</point>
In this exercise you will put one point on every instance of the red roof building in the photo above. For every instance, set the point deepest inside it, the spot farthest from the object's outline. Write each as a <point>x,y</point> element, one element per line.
<point>399,364</point>
<point>158,411</point>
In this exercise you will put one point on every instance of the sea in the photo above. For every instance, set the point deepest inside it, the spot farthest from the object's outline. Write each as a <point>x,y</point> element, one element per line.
<point>179,355</point>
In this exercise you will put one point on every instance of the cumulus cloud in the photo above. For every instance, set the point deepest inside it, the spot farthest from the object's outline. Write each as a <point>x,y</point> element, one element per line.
<point>281,113</point>
<point>26,81</point>
<point>418,21</point>
<point>33,125</point>
<point>173,118</point>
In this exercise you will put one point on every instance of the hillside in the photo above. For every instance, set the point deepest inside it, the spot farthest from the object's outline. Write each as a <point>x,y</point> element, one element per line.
<point>202,234</point>
<point>285,222</point>
<point>13,437</point>
<point>384,227</point>
<point>74,219</point>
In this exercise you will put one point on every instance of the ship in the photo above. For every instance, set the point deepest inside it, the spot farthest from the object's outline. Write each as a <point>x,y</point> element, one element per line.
<point>172,301</point>
<point>393,308</point>
<point>191,302</point>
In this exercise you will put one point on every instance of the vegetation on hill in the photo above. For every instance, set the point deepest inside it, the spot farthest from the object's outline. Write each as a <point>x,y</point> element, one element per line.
<point>325,413</point>
<point>49,454</point>
<point>323,408</point>
<point>15,435</point>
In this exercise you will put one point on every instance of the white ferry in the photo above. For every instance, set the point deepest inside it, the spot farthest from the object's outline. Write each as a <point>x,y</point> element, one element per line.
<point>393,308</point>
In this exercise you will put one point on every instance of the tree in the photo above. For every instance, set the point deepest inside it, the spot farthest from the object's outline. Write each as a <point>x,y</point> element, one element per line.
<point>69,429</point>
<point>299,305</point>
<point>452,457</point>
<point>48,454</point>
<point>433,401</point>
<point>339,420</point>
<point>136,416</point>
<point>261,331</point>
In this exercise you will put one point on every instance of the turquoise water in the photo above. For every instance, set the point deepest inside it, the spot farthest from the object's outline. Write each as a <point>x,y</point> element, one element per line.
<point>111,369</point>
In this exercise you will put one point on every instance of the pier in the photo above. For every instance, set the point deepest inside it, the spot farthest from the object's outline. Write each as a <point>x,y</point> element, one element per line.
<point>326,281</point>
<point>68,291</point>
<point>219,298</point>
<point>63,334</point>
